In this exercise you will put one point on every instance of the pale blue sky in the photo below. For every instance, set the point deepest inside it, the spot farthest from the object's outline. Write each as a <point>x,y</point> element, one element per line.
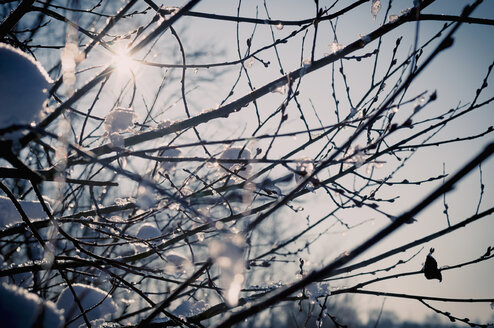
<point>455,74</point>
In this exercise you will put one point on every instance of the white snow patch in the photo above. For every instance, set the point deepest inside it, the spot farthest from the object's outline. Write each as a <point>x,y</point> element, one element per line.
<point>119,120</point>
<point>334,47</point>
<point>19,309</point>
<point>164,124</point>
<point>89,297</point>
<point>392,18</point>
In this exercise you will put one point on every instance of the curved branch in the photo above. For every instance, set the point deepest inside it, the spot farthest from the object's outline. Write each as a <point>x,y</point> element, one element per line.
<point>14,17</point>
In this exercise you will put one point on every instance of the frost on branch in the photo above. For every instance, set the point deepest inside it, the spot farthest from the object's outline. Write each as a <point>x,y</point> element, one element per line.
<point>392,18</point>
<point>19,308</point>
<point>305,167</point>
<point>334,47</point>
<point>97,303</point>
<point>20,75</point>
<point>227,253</point>
<point>356,156</point>
<point>281,89</point>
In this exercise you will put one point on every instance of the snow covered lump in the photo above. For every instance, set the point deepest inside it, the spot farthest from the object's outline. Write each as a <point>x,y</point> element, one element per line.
<point>24,86</point>
<point>117,122</point>
<point>19,309</point>
<point>96,302</point>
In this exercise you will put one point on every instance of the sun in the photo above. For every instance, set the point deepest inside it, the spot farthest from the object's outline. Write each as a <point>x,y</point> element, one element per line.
<point>122,61</point>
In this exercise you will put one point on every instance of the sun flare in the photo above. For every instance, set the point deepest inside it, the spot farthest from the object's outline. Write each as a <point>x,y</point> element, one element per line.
<point>123,61</point>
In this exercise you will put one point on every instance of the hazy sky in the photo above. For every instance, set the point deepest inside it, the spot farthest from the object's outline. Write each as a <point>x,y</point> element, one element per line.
<point>455,74</point>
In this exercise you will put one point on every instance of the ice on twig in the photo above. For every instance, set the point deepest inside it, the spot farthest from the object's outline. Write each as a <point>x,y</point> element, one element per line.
<point>358,157</point>
<point>96,302</point>
<point>392,18</point>
<point>303,168</point>
<point>365,39</point>
<point>356,113</point>
<point>281,89</point>
<point>405,11</point>
<point>250,63</point>
<point>117,140</point>
<point>118,121</point>
<point>334,47</point>
<point>164,124</point>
